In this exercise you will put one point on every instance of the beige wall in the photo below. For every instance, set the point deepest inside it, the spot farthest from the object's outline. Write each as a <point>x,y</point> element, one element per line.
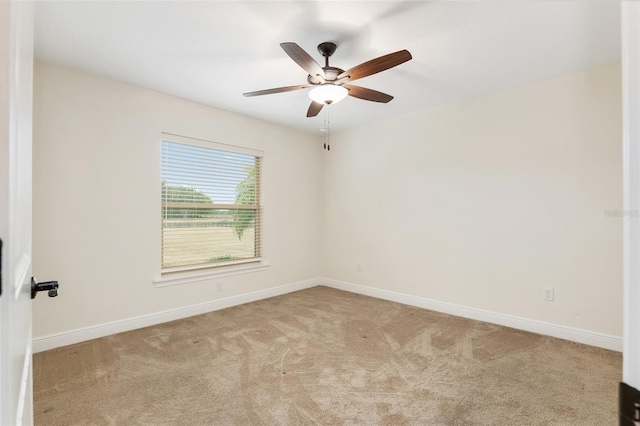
<point>96,199</point>
<point>482,203</point>
<point>479,203</point>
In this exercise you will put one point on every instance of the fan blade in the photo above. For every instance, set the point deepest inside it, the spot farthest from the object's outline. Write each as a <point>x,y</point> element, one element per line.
<point>303,59</point>
<point>376,65</point>
<point>276,90</point>
<point>314,109</point>
<point>368,94</point>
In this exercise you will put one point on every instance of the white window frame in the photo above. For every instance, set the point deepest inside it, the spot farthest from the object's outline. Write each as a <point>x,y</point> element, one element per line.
<point>192,273</point>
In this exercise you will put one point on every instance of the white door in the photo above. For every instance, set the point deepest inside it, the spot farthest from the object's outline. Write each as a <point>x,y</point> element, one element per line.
<point>631,158</point>
<point>16,87</point>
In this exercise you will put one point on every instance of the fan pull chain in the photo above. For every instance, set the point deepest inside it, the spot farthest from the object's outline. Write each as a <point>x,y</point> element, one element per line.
<point>324,129</point>
<point>327,141</point>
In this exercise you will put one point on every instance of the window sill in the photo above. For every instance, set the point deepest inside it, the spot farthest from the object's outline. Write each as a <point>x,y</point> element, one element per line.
<point>176,278</point>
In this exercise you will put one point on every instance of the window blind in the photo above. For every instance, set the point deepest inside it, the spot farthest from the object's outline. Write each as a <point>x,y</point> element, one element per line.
<point>210,204</point>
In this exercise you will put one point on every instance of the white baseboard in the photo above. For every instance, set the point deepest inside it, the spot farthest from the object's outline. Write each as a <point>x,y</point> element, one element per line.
<point>567,333</point>
<point>88,333</point>
<point>53,341</point>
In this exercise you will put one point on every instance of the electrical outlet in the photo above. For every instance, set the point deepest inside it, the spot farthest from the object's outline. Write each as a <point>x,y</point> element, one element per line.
<point>547,293</point>
<point>359,267</point>
<point>219,286</point>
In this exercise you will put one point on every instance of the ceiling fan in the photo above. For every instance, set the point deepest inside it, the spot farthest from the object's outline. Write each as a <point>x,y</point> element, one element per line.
<point>330,83</point>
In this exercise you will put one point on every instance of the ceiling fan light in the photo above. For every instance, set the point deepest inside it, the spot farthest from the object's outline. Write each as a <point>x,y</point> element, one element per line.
<point>328,93</point>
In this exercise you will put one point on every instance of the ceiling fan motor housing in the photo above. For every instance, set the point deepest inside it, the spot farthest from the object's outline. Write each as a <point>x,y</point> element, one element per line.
<point>331,73</point>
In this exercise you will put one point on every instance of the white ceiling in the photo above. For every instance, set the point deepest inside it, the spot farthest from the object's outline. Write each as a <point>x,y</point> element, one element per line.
<point>212,52</point>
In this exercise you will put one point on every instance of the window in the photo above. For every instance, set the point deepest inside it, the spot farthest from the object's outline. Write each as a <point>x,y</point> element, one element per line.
<point>210,204</point>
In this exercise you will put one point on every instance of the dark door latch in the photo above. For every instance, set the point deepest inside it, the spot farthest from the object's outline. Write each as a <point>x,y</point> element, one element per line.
<point>629,405</point>
<point>51,286</point>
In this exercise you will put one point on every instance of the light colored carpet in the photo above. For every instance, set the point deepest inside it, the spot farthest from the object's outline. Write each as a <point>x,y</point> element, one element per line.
<point>324,356</point>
